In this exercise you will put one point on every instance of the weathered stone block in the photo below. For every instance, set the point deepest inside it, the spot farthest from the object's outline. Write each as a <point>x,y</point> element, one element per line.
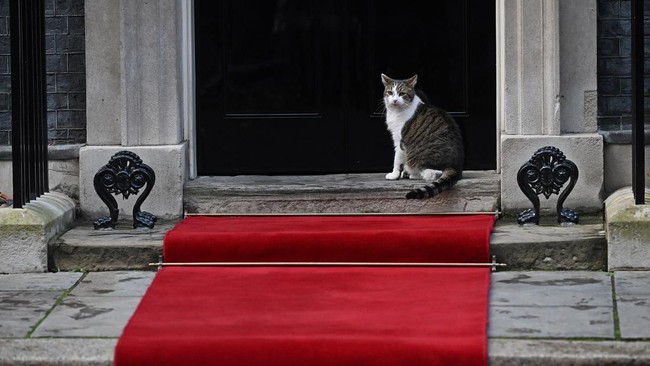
<point>25,233</point>
<point>628,231</point>
<point>585,150</point>
<point>166,198</point>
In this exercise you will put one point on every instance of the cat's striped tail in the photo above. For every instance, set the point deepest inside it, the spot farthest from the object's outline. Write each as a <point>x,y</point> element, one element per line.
<point>447,180</point>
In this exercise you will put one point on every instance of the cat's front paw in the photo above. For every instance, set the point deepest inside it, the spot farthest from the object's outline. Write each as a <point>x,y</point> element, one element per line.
<point>393,175</point>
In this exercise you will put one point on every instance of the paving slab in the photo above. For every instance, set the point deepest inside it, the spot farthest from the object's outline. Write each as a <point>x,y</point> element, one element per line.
<point>99,306</point>
<point>20,311</point>
<point>88,317</point>
<point>551,322</point>
<point>539,288</point>
<point>111,284</point>
<point>83,329</point>
<point>25,299</point>
<point>633,302</point>
<point>551,305</point>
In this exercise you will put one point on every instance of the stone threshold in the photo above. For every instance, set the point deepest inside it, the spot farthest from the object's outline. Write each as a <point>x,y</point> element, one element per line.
<point>478,191</point>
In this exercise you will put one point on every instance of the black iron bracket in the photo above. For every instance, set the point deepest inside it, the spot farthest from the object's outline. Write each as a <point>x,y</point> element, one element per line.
<point>546,173</point>
<point>124,174</point>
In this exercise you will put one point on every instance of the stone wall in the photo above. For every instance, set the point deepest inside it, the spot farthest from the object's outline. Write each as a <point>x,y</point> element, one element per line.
<point>66,75</point>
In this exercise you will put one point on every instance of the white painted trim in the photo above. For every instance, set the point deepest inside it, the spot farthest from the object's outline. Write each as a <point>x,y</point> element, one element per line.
<point>187,70</point>
<point>500,84</point>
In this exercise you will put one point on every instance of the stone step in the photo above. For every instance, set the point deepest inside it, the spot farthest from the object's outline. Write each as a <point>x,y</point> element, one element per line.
<point>546,247</point>
<point>530,247</point>
<point>478,191</point>
<point>550,246</point>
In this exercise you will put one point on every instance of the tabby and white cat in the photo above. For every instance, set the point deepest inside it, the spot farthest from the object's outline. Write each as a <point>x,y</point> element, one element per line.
<point>428,142</point>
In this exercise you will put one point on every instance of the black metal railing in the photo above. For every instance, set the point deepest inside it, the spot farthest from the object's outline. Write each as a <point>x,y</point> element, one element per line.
<point>29,122</point>
<point>638,108</point>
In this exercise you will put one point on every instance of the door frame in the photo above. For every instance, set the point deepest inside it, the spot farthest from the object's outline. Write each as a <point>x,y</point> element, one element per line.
<point>188,77</point>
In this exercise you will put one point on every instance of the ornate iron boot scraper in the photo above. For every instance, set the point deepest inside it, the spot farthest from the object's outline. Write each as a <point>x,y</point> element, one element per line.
<point>124,174</point>
<point>546,173</point>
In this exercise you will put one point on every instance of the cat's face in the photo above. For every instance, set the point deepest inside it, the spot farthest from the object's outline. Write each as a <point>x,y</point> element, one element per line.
<point>398,93</point>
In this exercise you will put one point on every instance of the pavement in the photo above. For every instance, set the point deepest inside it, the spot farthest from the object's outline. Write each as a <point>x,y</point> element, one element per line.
<point>536,317</point>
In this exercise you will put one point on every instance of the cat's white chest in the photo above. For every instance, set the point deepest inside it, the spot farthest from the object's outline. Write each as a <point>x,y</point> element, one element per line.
<point>397,117</point>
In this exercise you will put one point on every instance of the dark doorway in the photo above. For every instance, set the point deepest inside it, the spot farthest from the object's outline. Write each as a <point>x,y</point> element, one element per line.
<point>293,86</point>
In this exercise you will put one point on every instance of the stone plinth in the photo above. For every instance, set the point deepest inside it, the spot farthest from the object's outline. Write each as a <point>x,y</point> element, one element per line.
<point>628,231</point>
<point>25,233</point>
<point>166,198</point>
<point>585,150</point>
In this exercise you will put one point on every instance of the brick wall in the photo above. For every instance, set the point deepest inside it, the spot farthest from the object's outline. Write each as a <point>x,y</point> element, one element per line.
<point>66,76</point>
<point>615,67</point>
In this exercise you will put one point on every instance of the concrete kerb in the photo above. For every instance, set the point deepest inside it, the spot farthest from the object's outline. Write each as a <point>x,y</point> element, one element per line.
<point>25,233</point>
<point>628,231</point>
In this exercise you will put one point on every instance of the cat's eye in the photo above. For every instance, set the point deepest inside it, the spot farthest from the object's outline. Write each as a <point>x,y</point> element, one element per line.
<point>389,93</point>
<point>401,94</point>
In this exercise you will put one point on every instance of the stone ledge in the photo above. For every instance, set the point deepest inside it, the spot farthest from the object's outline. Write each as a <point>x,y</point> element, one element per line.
<point>25,233</point>
<point>57,351</point>
<point>628,231</point>
<point>54,152</point>
<point>513,352</point>
<point>502,352</point>
<point>623,137</point>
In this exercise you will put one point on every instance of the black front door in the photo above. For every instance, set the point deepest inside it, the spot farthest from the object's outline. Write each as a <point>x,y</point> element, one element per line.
<point>293,86</point>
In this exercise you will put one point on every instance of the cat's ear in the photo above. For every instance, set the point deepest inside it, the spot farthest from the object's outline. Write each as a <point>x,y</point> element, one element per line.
<point>385,79</point>
<point>412,81</point>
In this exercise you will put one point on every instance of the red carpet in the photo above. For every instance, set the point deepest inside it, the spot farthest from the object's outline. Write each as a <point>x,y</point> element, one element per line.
<point>316,315</point>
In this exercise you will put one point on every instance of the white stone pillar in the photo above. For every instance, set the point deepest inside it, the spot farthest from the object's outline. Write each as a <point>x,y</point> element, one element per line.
<point>531,67</point>
<point>546,86</point>
<point>135,99</point>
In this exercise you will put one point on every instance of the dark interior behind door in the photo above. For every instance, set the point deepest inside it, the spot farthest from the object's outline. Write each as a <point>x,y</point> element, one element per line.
<point>293,87</point>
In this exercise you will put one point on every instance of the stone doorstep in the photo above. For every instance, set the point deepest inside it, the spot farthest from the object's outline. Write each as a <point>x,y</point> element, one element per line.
<point>478,191</point>
<point>545,247</point>
<point>552,247</point>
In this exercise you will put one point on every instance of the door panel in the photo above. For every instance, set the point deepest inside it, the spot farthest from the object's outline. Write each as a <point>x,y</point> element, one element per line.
<point>293,87</point>
<point>271,62</point>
